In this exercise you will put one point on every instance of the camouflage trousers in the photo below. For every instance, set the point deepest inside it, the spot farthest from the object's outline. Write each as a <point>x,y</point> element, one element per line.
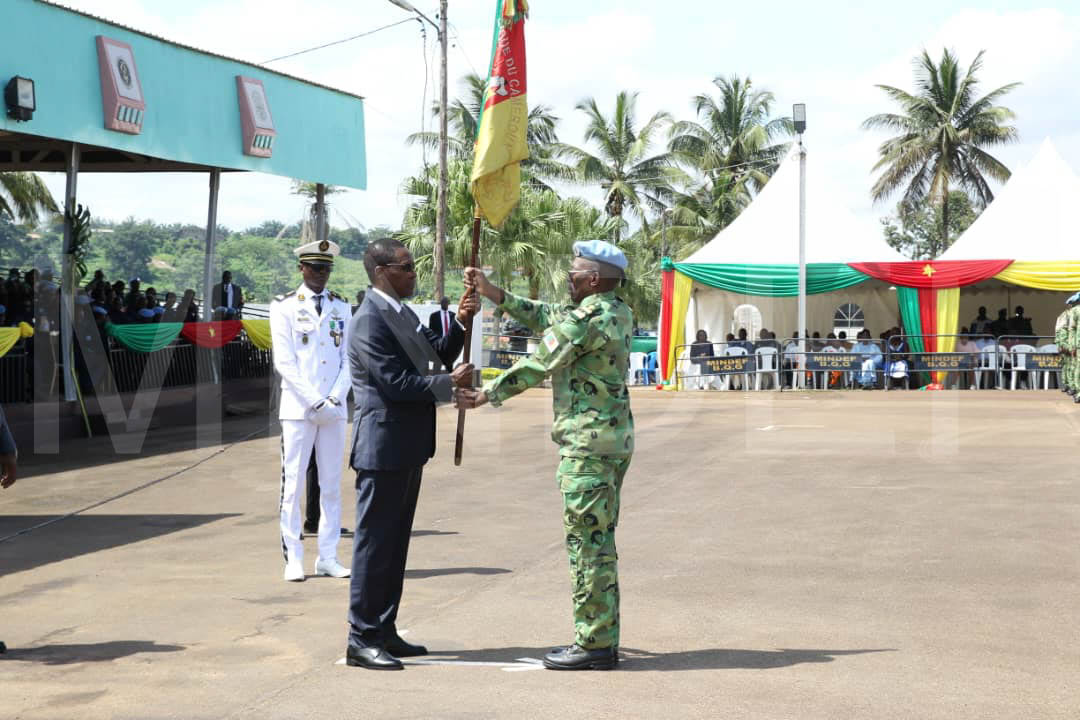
<point>590,490</point>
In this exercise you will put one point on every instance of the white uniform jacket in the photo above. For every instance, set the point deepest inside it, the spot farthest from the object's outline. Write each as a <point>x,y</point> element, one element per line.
<point>310,350</point>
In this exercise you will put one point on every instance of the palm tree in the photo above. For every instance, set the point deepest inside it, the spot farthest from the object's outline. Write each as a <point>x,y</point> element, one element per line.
<point>943,129</point>
<point>463,118</point>
<point>23,195</point>
<point>735,135</point>
<point>733,149</point>
<point>621,164</point>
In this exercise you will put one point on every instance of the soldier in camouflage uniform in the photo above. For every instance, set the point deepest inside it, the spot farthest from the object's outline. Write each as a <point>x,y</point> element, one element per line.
<point>1061,330</point>
<point>1073,344</point>
<point>586,352</point>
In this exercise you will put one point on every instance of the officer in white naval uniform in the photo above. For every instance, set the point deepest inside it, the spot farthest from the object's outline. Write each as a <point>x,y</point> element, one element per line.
<point>309,327</point>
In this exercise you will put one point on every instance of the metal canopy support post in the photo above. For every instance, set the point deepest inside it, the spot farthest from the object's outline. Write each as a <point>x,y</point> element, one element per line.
<point>209,399</point>
<point>211,244</point>
<point>802,257</point>
<point>320,212</point>
<point>67,279</point>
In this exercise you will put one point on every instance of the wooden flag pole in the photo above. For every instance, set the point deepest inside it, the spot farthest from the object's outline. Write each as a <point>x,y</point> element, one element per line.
<point>474,261</point>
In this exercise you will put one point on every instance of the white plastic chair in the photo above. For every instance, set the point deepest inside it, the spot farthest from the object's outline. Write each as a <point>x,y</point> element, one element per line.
<point>988,362</point>
<point>1052,349</point>
<point>1019,354</point>
<point>767,365</point>
<point>735,352</point>
<point>637,364</point>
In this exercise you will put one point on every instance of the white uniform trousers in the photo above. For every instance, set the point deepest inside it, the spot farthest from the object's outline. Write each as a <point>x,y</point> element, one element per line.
<point>297,439</point>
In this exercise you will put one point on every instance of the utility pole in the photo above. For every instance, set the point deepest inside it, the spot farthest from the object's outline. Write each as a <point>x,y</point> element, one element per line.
<point>799,117</point>
<point>444,178</point>
<point>439,252</point>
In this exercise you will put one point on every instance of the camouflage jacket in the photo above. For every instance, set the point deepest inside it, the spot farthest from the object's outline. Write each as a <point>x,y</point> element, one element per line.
<point>586,351</point>
<point>1061,329</point>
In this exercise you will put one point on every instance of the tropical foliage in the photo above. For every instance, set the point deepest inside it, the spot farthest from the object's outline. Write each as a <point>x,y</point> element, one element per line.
<point>916,232</point>
<point>24,197</point>
<point>943,130</point>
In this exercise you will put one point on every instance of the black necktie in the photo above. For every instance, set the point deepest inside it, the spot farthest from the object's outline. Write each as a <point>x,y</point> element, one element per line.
<point>318,304</point>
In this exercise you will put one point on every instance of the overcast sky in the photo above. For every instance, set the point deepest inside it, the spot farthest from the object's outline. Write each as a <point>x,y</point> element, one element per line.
<point>827,54</point>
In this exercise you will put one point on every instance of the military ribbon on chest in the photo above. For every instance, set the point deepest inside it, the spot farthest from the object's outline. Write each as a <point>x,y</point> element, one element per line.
<point>337,327</point>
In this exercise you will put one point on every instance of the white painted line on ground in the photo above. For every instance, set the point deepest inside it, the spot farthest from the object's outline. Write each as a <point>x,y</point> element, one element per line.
<point>769,428</point>
<point>518,666</point>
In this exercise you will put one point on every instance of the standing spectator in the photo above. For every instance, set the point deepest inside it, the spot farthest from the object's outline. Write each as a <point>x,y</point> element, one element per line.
<point>227,298</point>
<point>188,310</point>
<point>117,316</point>
<point>1019,325</point>
<point>1000,326</point>
<point>172,309</point>
<point>981,323</point>
<point>153,305</point>
<point>440,321</point>
<point>134,292</point>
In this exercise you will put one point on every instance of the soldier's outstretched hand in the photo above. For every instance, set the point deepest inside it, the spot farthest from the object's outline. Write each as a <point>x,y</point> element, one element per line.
<point>476,279</point>
<point>468,306</point>
<point>462,375</point>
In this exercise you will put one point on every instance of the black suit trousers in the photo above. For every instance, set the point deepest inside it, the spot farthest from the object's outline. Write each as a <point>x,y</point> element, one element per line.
<point>385,506</point>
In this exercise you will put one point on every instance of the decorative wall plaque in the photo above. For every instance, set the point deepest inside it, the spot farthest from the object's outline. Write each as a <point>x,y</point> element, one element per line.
<point>255,117</point>
<point>121,91</point>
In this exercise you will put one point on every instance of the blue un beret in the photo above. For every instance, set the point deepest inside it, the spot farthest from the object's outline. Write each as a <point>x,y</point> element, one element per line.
<point>600,251</point>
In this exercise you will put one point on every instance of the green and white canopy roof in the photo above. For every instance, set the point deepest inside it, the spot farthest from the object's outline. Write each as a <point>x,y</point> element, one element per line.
<point>758,253</point>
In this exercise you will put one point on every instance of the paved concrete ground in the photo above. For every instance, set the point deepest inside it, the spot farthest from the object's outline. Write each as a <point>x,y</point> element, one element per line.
<point>850,554</point>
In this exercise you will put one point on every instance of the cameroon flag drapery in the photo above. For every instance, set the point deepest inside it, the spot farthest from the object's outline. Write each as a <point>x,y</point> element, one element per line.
<point>212,334</point>
<point>151,337</point>
<point>501,142</point>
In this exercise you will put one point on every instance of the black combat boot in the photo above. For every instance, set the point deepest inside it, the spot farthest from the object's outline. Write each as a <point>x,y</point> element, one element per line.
<point>576,657</point>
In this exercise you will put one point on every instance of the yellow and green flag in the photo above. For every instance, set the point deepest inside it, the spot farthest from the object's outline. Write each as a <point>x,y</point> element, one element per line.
<point>501,142</point>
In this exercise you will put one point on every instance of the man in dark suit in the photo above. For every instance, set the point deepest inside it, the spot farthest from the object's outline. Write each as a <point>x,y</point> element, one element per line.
<point>227,299</point>
<point>442,320</point>
<point>391,355</point>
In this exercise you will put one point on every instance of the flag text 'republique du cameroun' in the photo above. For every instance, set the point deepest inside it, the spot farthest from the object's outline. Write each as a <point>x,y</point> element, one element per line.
<point>501,142</point>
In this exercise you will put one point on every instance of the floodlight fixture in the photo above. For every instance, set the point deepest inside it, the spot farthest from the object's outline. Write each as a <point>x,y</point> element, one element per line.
<point>798,116</point>
<point>20,98</point>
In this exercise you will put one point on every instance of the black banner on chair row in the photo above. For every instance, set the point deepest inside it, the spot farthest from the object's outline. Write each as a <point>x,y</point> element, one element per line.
<point>728,365</point>
<point>833,361</point>
<point>1043,361</point>
<point>503,359</point>
<point>940,362</point>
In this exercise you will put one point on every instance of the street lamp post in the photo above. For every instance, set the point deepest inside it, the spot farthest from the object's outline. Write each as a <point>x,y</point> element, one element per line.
<point>439,253</point>
<point>798,115</point>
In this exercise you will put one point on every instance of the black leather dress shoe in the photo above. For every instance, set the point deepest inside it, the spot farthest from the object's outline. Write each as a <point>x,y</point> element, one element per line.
<point>372,658</point>
<point>399,648</point>
<point>576,657</point>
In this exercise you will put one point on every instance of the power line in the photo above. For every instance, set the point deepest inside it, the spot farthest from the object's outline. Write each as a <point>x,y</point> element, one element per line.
<point>461,47</point>
<point>343,40</point>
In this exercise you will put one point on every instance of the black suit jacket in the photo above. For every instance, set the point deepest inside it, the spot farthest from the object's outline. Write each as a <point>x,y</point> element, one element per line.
<point>391,355</point>
<point>435,321</point>
<point>217,296</point>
